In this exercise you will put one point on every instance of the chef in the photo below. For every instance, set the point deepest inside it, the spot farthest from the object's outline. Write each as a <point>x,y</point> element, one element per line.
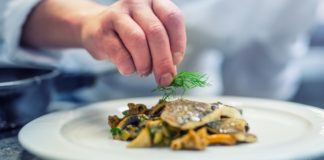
<point>248,48</point>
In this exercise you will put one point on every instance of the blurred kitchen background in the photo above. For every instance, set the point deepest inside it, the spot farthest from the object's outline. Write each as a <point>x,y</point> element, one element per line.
<point>82,89</point>
<point>311,90</point>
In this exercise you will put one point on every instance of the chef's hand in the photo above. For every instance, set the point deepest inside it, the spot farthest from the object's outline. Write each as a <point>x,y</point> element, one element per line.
<point>138,36</point>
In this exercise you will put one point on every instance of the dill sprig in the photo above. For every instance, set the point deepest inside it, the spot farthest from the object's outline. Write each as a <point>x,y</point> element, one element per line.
<point>183,81</point>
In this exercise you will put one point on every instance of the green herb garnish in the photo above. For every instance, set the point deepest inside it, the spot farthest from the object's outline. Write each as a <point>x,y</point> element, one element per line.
<point>115,131</point>
<point>183,81</point>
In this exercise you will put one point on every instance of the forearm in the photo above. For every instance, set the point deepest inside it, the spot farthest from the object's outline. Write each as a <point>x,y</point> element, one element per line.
<point>57,23</point>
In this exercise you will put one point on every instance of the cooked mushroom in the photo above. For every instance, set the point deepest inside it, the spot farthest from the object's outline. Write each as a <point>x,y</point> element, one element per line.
<point>113,121</point>
<point>129,120</point>
<point>227,125</point>
<point>135,109</point>
<point>156,110</point>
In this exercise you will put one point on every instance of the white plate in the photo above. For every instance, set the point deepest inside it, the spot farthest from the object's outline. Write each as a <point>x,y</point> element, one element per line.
<point>284,130</point>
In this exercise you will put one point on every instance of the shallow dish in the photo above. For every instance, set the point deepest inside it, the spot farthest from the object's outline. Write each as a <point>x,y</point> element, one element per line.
<point>285,131</point>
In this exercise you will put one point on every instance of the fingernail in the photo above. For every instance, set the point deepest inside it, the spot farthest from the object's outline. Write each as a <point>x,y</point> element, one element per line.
<point>177,57</point>
<point>145,74</point>
<point>127,71</point>
<point>124,73</point>
<point>166,79</point>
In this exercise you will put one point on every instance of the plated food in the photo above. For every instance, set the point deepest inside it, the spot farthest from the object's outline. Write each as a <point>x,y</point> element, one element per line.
<point>181,124</point>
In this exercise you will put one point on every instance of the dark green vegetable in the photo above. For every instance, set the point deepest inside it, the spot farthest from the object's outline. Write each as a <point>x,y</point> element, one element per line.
<point>183,81</point>
<point>115,131</point>
<point>125,113</point>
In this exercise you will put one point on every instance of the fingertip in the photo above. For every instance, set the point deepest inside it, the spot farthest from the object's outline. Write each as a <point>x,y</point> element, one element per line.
<point>165,79</point>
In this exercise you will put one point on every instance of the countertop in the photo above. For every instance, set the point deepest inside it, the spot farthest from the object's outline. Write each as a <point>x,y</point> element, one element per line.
<point>10,149</point>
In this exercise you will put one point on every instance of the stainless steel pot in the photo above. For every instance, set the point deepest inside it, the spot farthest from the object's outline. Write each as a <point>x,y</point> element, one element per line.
<point>24,95</point>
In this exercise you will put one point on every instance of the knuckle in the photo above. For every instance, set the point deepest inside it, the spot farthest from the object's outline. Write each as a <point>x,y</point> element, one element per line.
<point>122,59</point>
<point>173,16</point>
<point>155,29</point>
<point>115,50</point>
<point>137,36</point>
<point>165,64</point>
<point>114,16</point>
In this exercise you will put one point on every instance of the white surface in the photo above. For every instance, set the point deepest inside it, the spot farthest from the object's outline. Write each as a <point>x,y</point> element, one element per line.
<point>285,131</point>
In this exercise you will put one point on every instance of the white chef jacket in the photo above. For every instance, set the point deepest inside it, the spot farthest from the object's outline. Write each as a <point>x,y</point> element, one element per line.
<point>247,47</point>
